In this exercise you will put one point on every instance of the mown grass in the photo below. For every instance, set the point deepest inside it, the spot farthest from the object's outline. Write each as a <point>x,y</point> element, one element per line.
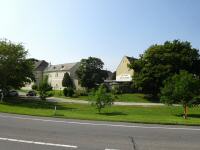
<point>133,97</point>
<point>128,97</point>
<point>155,114</point>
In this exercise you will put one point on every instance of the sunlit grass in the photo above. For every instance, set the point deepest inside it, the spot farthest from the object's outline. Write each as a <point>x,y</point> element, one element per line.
<point>153,114</point>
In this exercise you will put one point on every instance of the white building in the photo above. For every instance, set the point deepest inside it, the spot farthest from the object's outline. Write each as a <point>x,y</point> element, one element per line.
<point>123,72</point>
<point>56,73</point>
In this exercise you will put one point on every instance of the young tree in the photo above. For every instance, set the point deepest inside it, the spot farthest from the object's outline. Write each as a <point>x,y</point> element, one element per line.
<point>67,81</point>
<point>181,88</point>
<point>90,72</point>
<point>15,69</point>
<point>101,98</point>
<point>43,88</point>
<point>162,61</point>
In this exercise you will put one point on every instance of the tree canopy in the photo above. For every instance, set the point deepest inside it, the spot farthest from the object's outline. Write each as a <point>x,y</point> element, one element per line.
<point>15,69</point>
<point>182,88</point>
<point>90,72</point>
<point>67,81</point>
<point>162,61</point>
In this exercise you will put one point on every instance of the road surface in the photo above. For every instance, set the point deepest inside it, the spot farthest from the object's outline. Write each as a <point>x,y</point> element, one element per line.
<point>18,132</point>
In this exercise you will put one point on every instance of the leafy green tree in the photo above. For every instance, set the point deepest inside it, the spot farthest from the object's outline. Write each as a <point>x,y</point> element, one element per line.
<point>90,72</point>
<point>15,69</point>
<point>101,98</point>
<point>43,88</point>
<point>162,61</point>
<point>67,81</point>
<point>181,88</point>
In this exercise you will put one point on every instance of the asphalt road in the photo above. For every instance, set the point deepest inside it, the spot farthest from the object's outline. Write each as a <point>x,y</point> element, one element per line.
<point>18,132</point>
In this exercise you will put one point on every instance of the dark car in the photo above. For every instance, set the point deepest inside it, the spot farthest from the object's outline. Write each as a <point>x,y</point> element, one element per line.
<point>31,93</point>
<point>12,93</point>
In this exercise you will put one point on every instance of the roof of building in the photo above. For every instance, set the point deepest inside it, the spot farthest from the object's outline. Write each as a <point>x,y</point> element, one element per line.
<point>60,67</point>
<point>131,59</point>
<point>39,65</point>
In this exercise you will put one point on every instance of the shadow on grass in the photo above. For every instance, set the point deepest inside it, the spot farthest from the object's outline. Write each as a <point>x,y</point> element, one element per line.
<point>34,103</point>
<point>194,115</point>
<point>189,115</point>
<point>152,98</point>
<point>116,113</point>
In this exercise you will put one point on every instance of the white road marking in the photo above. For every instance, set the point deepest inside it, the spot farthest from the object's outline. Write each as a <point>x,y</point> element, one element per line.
<point>101,124</point>
<point>37,143</point>
<point>111,149</point>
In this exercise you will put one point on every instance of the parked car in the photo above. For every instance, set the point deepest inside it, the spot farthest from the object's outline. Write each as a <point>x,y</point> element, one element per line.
<point>31,93</point>
<point>13,93</point>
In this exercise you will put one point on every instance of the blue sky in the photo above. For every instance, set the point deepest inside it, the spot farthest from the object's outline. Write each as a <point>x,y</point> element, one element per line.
<point>61,31</point>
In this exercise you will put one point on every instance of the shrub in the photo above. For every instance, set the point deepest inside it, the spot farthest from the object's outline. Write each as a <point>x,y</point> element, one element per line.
<point>68,92</point>
<point>116,89</point>
<point>43,88</point>
<point>81,93</point>
<point>34,87</point>
<point>123,88</point>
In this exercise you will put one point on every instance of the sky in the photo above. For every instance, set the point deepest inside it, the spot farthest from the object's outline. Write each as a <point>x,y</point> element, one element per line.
<point>64,31</point>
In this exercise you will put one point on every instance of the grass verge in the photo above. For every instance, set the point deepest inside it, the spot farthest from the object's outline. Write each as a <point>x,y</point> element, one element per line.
<point>139,114</point>
<point>134,97</point>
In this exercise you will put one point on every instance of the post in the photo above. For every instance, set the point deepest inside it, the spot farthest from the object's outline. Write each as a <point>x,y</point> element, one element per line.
<point>185,111</point>
<point>55,111</point>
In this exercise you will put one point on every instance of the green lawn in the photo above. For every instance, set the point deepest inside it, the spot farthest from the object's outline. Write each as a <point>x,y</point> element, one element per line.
<point>156,114</point>
<point>133,97</point>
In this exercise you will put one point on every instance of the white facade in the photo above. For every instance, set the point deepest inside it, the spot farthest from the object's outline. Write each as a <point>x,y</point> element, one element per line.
<point>56,74</point>
<point>124,77</point>
<point>123,72</point>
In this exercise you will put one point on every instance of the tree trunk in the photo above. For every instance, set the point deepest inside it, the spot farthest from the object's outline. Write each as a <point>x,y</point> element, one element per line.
<point>185,111</point>
<point>2,96</point>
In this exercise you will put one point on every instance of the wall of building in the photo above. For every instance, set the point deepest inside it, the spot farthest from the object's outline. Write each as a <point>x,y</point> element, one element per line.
<point>38,77</point>
<point>123,72</point>
<point>55,79</point>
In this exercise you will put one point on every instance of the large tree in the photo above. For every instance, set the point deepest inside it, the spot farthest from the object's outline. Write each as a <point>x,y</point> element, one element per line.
<point>15,69</point>
<point>162,61</point>
<point>90,72</point>
<point>182,88</point>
